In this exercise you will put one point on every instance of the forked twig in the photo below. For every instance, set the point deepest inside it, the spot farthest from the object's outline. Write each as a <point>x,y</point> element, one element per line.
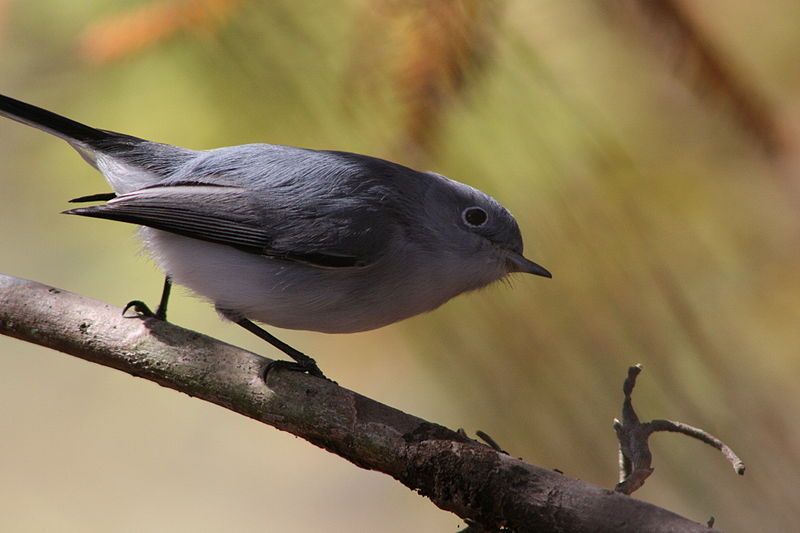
<point>634,451</point>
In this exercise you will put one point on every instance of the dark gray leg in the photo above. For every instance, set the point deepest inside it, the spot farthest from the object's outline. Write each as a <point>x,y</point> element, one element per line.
<point>302,362</point>
<point>161,312</point>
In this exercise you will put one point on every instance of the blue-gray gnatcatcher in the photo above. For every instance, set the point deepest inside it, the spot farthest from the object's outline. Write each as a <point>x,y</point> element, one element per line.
<point>296,238</point>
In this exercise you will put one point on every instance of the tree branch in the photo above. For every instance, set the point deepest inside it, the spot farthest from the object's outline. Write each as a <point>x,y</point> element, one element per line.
<point>474,481</point>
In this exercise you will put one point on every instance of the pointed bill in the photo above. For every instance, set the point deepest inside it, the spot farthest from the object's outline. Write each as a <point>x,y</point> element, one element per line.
<point>518,263</point>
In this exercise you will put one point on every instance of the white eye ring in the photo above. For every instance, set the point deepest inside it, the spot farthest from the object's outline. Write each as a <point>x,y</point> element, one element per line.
<point>474,216</point>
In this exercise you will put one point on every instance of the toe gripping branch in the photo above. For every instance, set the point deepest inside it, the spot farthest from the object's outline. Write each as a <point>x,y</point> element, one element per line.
<point>143,310</point>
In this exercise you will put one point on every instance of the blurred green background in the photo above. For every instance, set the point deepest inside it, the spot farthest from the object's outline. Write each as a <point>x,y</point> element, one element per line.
<point>646,148</point>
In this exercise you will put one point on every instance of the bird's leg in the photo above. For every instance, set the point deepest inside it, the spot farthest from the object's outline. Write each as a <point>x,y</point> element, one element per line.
<point>144,311</point>
<point>161,311</point>
<point>301,363</point>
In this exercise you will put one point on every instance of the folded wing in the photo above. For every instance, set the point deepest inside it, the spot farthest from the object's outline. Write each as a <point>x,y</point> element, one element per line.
<point>230,216</point>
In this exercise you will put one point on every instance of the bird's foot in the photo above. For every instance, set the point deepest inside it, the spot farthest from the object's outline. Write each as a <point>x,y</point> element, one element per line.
<point>308,366</point>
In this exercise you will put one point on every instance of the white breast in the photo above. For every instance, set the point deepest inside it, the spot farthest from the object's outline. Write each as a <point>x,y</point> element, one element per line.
<point>295,296</point>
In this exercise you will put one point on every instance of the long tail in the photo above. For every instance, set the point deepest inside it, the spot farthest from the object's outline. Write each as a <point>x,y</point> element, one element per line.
<point>127,162</point>
<point>71,131</point>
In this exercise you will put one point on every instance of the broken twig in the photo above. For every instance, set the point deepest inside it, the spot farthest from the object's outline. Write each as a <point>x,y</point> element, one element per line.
<point>634,451</point>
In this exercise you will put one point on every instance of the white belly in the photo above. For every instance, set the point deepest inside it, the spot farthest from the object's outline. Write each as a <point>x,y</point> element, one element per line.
<point>295,296</point>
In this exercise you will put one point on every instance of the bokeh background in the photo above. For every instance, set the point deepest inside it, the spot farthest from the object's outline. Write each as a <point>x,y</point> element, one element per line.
<point>648,150</point>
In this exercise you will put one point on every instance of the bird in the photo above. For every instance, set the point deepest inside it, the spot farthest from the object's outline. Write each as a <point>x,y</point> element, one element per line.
<point>295,238</point>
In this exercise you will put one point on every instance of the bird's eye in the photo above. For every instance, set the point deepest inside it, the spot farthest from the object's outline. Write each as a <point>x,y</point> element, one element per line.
<point>474,216</point>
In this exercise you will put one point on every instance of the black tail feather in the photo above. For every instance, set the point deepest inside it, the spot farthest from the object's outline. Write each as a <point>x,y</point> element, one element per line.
<point>99,197</point>
<point>61,126</point>
<point>157,159</point>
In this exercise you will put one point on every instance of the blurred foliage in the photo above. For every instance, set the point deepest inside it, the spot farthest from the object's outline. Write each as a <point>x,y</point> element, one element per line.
<point>130,32</point>
<point>625,154</point>
<point>672,29</point>
<point>430,51</point>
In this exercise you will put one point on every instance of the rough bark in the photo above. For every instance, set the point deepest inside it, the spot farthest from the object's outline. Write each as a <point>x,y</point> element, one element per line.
<point>458,474</point>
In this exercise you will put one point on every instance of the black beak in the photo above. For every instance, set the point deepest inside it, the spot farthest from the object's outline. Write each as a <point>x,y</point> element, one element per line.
<point>518,263</point>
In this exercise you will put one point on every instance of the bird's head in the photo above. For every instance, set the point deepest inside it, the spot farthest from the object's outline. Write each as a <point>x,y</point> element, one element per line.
<point>482,234</point>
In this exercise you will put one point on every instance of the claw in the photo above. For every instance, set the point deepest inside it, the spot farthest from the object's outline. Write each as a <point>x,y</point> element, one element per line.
<point>141,309</point>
